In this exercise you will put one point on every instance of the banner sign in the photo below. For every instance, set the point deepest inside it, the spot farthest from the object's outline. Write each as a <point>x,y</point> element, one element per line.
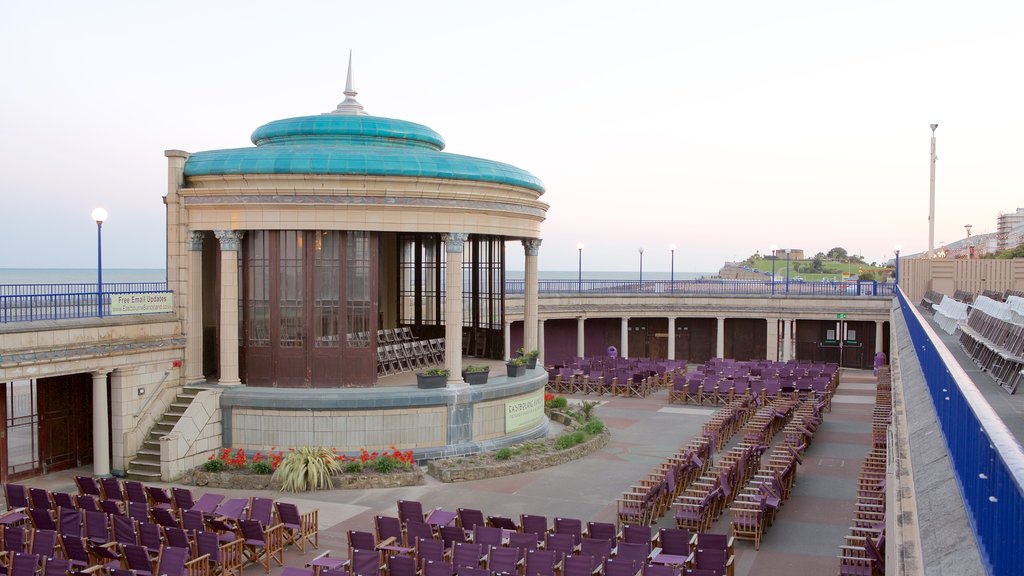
<point>524,412</point>
<point>142,303</point>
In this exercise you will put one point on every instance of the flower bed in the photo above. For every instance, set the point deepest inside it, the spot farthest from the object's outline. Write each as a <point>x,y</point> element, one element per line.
<point>245,480</point>
<point>583,436</point>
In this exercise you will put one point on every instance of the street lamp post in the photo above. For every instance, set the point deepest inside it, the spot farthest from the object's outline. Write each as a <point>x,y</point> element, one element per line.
<point>579,270</point>
<point>931,200</point>
<point>672,274</point>
<point>99,215</point>
<point>896,273</point>
<point>970,245</point>
<point>641,268</point>
<point>773,249</point>
<point>787,269</point>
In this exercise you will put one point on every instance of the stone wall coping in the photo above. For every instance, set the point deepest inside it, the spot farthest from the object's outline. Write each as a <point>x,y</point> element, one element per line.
<point>94,322</point>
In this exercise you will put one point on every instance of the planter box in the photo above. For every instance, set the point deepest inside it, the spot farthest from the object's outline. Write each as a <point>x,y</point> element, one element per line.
<point>475,378</point>
<point>246,481</point>
<point>531,363</point>
<point>424,381</point>
<point>515,371</point>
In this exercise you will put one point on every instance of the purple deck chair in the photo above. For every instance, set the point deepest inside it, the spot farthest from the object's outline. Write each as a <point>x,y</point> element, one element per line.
<point>615,567</point>
<point>503,561</point>
<point>503,523</point>
<point>210,502</point>
<point>63,500</point>
<point>124,530</point>
<point>112,489</point>
<point>570,526</point>
<point>389,529</point>
<point>25,564</point>
<point>111,507</point>
<point>172,561</point>
<point>465,554</point>
<point>471,571</point>
<point>601,531</point>
<point>300,529</point>
<point>401,565</point>
<point>533,524</point>
<point>711,559</point>
<point>88,485</point>
<point>410,510</point>
<point>41,519</point>
<point>56,567</point>
<point>674,541</point>
<point>233,509</point>
<point>87,502</point>
<point>104,554</point>
<point>436,568</point>
<point>193,520</point>
<point>158,497</point>
<point>428,550</point>
<point>711,540</point>
<point>523,542</point>
<point>636,534</point>
<point>151,537</point>
<point>261,510</point>
<point>364,563</point>
<point>635,553</point>
<point>136,558</point>
<point>177,538</point>
<point>415,530</point>
<point>487,536</point>
<point>74,550</point>
<point>164,518</point>
<point>541,563</point>
<point>226,559</point>
<point>293,571</point>
<point>123,572</point>
<point>452,534</point>
<point>359,540</point>
<point>40,498</point>
<point>14,539</point>
<point>581,565</point>
<point>660,570</point>
<point>135,492</point>
<point>561,543</point>
<point>183,498</point>
<point>598,550</point>
<point>44,542</point>
<point>470,518</point>
<point>138,512</point>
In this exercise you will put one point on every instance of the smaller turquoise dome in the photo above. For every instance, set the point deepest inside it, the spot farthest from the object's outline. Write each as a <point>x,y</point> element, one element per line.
<point>330,128</point>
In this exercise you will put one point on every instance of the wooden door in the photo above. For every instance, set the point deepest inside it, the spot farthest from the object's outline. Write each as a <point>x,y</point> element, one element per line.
<point>65,421</point>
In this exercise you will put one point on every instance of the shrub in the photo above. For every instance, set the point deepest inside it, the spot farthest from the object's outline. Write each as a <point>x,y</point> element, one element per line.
<point>593,426</point>
<point>353,467</point>
<point>503,454</point>
<point>386,464</point>
<point>435,372</point>
<point>570,440</point>
<point>474,368</point>
<point>308,468</point>
<point>587,408</point>
<point>261,467</point>
<point>518,361</point>
<point>214,465</point>
<point>559,402</point>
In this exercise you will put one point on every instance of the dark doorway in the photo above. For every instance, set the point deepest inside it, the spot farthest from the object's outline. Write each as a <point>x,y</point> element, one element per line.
<point>65,421</point>
<point>648,338</point>
<point>746,338</point>
<point>696,339</point>
<point>849,343</point>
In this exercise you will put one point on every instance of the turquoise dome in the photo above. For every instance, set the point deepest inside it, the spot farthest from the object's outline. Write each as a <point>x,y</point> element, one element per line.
<point>343,144</point>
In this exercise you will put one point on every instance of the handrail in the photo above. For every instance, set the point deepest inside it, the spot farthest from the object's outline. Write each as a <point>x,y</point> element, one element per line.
<point>987,459</point>
<point>568,287</point>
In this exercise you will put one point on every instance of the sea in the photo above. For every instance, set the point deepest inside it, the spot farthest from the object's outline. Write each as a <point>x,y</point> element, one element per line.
<point>111,275</point>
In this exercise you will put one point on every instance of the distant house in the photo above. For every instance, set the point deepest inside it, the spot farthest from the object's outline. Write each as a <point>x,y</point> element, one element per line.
<point>794,254</point>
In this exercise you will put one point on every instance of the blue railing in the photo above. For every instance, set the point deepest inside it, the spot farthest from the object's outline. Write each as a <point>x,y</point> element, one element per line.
<point>62,303</point>
<point>987,459</point>
<point>704,287</point>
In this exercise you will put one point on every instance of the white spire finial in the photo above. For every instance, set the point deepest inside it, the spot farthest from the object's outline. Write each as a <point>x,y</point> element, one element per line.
<point>349,105</point>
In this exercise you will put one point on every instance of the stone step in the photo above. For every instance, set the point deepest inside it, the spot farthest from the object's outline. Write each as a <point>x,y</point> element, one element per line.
<point>152,454</point>
<point>143,476</point>
<point>139,465</point>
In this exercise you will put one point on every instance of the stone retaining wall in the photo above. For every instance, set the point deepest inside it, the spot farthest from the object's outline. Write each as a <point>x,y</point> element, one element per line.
<point>496,468</point>
<point>242,481</point>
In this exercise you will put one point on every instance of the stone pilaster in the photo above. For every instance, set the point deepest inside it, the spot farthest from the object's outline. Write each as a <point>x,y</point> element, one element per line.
<point>720,338</point>
<point>580,337</point>
<point>787,339</point>
<point>879,334</point>
<point>508,339</point>
<point>671,353</point>
<point>453,243</point>
<point>540,342</point>
<point>100,425</point>
<point>194,311</point>
<point>230,243</point>
<point>772,343</point>
<point>624,338</point>
<point>531,248</point>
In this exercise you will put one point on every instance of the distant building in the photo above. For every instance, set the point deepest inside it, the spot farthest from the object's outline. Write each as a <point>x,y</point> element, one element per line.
<point>1010,230</point>
<point>794,253</point>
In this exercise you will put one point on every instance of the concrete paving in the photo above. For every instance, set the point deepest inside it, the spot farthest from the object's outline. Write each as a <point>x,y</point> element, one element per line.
<point>804,539</point>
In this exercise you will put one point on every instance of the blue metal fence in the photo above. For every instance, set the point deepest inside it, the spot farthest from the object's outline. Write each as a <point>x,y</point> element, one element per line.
<point>61,303</point>
<point>987,459</point>
<point>704,287</point>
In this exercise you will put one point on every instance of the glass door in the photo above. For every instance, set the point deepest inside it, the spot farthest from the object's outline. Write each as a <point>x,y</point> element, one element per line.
<point>20,413</point>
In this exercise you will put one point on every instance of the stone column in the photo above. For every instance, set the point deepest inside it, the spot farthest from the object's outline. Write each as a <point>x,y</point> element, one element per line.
<point>100,421</point>
<point>772,347</point>
<point>720,338</point>
<point>540,342</point>
<point>230,243</point>
<point>508,340</point>
<point>671,355</point>
<point>531,247</point>
<point>624,338</point>
<point>580,336</point>
<point>194,311</point>
<point>787,339</point>
<point>453,243</point>
<point>878,336</point>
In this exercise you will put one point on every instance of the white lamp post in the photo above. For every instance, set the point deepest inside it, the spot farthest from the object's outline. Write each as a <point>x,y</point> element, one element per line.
<point>99,215</point>
<point>773,248</point>
<point>579,271</point>
<point>672,274</point>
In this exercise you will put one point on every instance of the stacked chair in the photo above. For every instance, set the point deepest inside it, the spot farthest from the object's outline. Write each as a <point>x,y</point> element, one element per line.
<point>398,350</point>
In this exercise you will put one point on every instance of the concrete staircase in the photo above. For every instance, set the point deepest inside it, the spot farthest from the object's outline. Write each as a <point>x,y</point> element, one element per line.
<point>146,465</point>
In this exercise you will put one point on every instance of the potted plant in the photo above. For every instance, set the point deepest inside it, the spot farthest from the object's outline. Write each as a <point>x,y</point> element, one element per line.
<point>475,374</point>
<point>531,359</point>
<point>432,378</point>
<point>516,366</point>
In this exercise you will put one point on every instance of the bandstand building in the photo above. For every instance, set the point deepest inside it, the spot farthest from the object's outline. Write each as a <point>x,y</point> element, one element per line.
<point>289,258</point>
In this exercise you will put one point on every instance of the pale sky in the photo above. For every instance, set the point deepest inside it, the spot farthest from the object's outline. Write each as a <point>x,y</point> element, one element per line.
<point>722,127</point>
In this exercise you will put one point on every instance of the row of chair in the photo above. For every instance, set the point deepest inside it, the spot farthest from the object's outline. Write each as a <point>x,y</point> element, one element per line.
<point>996,346</point>
<point>409,355</point>
<point>863,553</point>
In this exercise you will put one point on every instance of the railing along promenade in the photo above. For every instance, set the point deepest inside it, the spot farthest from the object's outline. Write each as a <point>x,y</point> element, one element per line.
<point>987,460</point>
<point>34,302</point>
<point>704,287</point>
